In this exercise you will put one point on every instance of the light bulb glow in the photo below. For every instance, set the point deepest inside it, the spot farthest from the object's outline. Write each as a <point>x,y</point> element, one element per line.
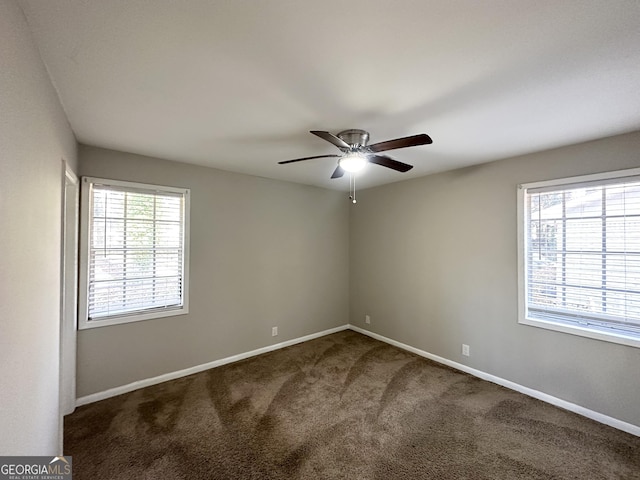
<point>353,162</point>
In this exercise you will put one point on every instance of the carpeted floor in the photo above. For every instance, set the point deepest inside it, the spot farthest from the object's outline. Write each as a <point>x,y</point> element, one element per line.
<point>343,406</point>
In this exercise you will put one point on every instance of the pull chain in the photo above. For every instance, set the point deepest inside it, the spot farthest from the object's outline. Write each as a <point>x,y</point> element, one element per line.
<point>352,187</point>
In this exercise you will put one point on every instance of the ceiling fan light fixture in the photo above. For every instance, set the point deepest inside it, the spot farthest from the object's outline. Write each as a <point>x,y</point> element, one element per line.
<point>353,162</point>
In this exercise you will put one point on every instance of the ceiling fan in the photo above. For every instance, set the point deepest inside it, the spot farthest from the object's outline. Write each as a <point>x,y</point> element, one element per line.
<point>356,153</point>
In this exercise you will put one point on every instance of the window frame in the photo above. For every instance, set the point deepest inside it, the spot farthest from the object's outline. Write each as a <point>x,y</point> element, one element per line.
<point>604,334</point>
<point>85,214</point>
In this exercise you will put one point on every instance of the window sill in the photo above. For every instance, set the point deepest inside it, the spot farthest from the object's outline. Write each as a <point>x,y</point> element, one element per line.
<point>120,319</point>
<point>611,337</point>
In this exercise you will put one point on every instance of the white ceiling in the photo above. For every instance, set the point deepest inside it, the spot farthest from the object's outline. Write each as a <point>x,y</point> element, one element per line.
<point>237,84</point>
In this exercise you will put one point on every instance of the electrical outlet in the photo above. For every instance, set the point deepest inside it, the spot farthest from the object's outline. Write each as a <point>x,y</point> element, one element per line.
<point>367,319</point>
<point>465,350</point>
<point>274,331</point>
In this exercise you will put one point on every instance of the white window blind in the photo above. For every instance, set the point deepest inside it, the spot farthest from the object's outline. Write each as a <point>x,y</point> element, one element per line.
<point>136,250</point>
<point>582,254</point>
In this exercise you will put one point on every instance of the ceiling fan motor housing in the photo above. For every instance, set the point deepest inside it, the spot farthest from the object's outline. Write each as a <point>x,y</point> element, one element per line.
<point>355,138</point>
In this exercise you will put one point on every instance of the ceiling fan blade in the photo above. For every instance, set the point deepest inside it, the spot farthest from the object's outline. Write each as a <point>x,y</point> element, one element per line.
<point>308,158</point>
<point>338,172</point>
<point>412,141</point>
<point>331,138</point>
<point>390,163</point>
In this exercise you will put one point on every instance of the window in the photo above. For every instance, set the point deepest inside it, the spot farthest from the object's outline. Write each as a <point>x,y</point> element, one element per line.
<point>579,255</point>
<point>134,252</point>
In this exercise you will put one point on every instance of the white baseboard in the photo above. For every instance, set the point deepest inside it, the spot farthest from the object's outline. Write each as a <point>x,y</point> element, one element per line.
<point>572,407</point>
<point>112,392</point>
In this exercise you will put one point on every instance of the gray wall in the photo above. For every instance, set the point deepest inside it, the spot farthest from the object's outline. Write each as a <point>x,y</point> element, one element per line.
<point>434,262</point>
<point>34,137</point>
<point>263,253</point>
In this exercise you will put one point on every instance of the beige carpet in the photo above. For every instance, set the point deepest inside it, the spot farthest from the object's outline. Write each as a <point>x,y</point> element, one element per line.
<point>343,406</point>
